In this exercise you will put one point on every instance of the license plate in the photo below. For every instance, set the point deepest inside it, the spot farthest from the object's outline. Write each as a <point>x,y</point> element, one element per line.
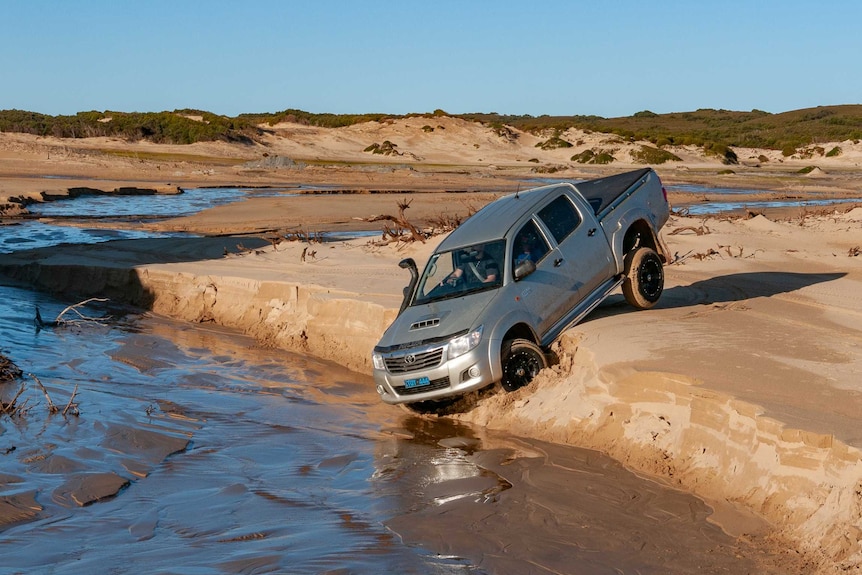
<point>422,381</point>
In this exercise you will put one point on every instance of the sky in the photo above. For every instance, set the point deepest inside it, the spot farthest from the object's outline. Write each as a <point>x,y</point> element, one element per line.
<point>606,58</point>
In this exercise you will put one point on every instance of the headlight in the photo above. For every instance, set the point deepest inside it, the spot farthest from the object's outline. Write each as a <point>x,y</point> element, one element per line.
<point>377,361</point>
<point>463,344</point>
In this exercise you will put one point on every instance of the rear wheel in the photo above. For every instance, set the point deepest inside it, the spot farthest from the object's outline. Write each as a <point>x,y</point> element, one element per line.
<point>522,361</point>
<point>644,278</point>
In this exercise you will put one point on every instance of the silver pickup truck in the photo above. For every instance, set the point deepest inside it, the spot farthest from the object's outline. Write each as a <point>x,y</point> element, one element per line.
<point>510,279</point>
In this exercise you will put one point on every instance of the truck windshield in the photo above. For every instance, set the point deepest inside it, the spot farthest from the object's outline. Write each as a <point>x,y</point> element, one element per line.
<point>464,270</point>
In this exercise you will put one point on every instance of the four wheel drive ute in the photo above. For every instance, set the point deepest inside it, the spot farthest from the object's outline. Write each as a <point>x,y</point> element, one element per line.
<point>509,280</point>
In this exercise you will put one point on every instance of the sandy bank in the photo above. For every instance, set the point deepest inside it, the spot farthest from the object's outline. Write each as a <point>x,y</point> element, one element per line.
<point>742,385</point>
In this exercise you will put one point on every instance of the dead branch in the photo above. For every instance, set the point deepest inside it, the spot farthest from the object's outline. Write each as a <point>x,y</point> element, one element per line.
<point>401,220</point>
<point>74,308</point>
<point>854,251</point>
<point>51,407</point>
<point>72,406</point>
<point>701,230</point>
<point>8,370</point>
<point>61,321</point>
<point>11,407</point>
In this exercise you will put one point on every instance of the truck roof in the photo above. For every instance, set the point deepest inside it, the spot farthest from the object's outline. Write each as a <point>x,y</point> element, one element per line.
<point>494,220</point>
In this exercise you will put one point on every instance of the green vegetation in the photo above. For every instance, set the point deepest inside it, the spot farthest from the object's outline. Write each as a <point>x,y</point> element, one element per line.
<point>593,156</point>
<point>721,150</point>
<point>708,127</point>
<point>713,130</point>
<point>650,155</point>
<point>387,148</point>
<point>178,127</point>
<point>834,152</point>
<point>554,143</point>
<point>806,170</point>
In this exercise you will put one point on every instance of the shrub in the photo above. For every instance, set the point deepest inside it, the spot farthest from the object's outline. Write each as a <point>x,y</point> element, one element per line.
<point>806,170</point>
<point>762,159</point>
<point>427,128</point>
<point>387,148</point>
<point>725,172</point>
<point>603,157</point>
<point>650,155</point>
<point>554,143</point>
<point>584,157</point>
<point>723,151</point>
<point>834,152</point>
<point>788,150</point>
<point>594,157</point>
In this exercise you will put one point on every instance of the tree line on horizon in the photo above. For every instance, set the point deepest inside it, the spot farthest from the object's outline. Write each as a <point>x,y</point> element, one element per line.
<point>708,128</point>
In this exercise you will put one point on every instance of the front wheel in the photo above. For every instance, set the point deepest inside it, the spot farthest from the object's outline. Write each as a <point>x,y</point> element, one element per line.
<point>522,361</point>
<point>644,278</point>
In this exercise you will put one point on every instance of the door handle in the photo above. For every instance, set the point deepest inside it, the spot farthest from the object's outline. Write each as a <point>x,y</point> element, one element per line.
<point>591,232</point>
<point>558,262</point>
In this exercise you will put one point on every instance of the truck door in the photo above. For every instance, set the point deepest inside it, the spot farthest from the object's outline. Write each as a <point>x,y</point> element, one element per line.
<point>544,291</point>
<point>582,253</point>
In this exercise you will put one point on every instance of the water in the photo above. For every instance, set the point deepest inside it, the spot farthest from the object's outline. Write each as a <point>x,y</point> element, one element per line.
<point>724,206</point>
<point>164,205</point>
<point>275,474</point>
<point>196,451</point>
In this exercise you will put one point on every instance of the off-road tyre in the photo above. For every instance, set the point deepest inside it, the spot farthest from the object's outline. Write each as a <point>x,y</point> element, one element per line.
<point>644,281</point>
<point>522,360</point>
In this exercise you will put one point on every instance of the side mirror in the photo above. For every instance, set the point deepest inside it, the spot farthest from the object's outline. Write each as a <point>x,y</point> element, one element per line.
<point>524,269</point>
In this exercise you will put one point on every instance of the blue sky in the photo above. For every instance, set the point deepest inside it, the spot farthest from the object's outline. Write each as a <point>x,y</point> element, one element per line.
<point>608,58</point>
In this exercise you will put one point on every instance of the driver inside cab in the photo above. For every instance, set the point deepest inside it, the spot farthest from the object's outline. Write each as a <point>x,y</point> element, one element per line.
<point>476,267</point>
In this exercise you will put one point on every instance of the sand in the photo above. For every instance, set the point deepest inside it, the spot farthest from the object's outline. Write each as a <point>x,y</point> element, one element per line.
<point>742,386</point>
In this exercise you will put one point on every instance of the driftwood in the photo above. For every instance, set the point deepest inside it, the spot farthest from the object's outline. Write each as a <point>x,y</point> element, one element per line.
<point>51,407</point>
<point>8,370</point>
<point>61,321</point>
<point>401,220</point>
<point>12,407</point>
<point>699,230</point>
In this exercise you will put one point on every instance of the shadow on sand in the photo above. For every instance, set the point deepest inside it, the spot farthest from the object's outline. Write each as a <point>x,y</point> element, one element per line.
<point>723,289</point>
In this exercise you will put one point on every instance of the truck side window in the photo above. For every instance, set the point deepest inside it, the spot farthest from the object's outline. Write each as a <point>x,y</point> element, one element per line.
<point>529,244</point>
<point>561,218</point>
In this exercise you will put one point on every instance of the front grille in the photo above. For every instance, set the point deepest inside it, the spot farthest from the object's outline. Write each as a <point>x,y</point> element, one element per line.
<point>414,361</point>
<point>441,383</point>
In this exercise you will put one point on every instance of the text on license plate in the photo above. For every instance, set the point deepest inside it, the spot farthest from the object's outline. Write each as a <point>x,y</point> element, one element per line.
<point>409,383</point>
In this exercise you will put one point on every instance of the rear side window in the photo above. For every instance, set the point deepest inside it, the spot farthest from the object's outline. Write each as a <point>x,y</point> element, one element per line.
<point>560,217</point>
<point>529,244</point>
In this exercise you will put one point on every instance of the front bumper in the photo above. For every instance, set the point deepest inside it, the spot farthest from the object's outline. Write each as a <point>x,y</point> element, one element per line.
<point>398,383</point>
